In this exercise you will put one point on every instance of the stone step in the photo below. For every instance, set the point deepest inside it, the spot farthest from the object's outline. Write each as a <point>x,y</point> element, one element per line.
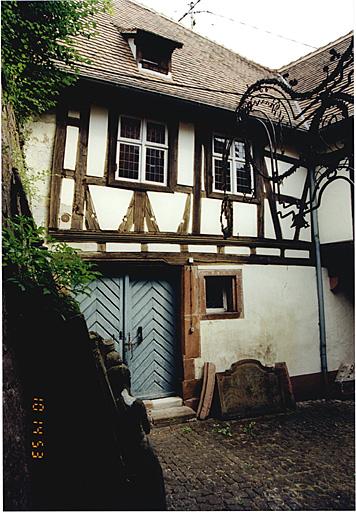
<point>172,415</point>
<point>163,403</point>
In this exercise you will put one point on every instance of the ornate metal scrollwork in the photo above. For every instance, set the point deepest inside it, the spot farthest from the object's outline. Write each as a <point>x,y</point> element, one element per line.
<point>275,109</point>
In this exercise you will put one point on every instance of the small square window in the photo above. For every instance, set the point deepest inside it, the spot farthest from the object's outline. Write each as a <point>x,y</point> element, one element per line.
<point>221,294</point>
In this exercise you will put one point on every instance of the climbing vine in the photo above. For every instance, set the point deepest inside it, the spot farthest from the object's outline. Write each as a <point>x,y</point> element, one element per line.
<point>34,260</point>
<point>37,44</point>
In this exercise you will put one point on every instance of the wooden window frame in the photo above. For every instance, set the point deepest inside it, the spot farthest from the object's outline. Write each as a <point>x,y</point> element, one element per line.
<point>209,176</point>
<point>237,294</point>
<point>171,163</point>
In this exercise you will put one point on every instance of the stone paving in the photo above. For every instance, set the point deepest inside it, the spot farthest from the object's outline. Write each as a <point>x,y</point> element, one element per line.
<point>303,460</point>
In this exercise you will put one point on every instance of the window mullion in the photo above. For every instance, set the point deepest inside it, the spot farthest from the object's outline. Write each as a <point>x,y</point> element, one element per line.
<point>143,151</point>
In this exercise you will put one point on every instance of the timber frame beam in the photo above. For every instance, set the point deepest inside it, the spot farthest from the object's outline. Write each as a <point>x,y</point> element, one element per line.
<point>66,235</point>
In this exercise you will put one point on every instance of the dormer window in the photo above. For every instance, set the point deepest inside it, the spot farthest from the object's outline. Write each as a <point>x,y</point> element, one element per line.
<point>153,53</point>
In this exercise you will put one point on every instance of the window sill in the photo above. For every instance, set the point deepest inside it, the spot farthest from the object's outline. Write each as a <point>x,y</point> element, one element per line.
<point>234,197</point>
<point>139,186</point>
<point>221,316</point>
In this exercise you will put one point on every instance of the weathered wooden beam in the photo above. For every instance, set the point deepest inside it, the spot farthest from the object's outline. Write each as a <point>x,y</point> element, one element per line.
<point>151,222</point>
<point>91,220</point>
<point>197,179</point>
<point>182,258</point>
<point>269,194</point>
<point>104,236</point>
<point>80,170</point>
<point>57,168</point>
<point>184,225</point>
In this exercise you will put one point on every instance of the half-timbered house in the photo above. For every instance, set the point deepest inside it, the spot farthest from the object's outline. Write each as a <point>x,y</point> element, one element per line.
<point>136,183</point>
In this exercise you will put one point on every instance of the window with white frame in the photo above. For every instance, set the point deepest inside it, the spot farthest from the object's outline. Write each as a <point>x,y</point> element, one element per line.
<point>239,177</point>
<point>142,151</point>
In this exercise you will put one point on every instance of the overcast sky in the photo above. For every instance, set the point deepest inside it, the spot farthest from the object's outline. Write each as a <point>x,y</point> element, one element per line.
<point>312,22</point>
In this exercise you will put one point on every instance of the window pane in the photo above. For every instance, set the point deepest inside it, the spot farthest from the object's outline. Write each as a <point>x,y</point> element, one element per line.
<point>155,165</point>
<point>219,292</point>
<point>219,145</point>
<point>243,178</point>
<point>219,176</point>
<point>156,133</point>
<point>239,148</point>
<point>129,157</point>
<point>130,128</point>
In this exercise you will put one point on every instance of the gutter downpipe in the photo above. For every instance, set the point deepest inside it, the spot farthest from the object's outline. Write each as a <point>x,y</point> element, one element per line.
<point>318,269</point>
<point>320,288</point>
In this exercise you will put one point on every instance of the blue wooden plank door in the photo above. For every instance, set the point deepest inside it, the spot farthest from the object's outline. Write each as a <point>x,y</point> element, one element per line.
<point>140,312</point>
<point>103,309</point>
<point>151,323</point>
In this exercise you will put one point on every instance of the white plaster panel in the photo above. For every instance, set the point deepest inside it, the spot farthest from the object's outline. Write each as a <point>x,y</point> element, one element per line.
<point>292,185</point>
<point>203,248</point>
<point>238,250</point>
<point>118,247</point>
<point>294,253</point>
<point>66,202</point>
<point>185,172</point>
<point>305,234</point>
<point>334,213</point>
<point>97,141</point>
<point>280,321</point>
<point>245,219</point>
<point>210,216</point>
<point>164,247</point>
<point>84,246</point>
<point>71,147</point>
<point>110,205</point>
<point>268,251</point>
<point>168,209</point>
<point>38,152</point>
<point>269,229</point>
<point>340,326</point>
<point>286,222</point>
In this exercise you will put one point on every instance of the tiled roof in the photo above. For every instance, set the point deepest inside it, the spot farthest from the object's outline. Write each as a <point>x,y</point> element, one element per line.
<point>309,70</point>
<point>202,71</point>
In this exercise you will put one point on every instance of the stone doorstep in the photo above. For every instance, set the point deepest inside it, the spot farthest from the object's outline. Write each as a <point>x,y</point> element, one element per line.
<point>171,415</point>
<point>163,403</point>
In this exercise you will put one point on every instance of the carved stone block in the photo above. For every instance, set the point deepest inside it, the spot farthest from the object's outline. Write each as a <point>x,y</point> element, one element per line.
<point>250,389</point>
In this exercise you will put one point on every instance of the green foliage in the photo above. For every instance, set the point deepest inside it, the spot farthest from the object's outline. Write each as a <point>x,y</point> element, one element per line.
<point>58,269</point>
<point>249,428</point>
<point>224,430</point>
<point>187,430</point>
<point>36,41</point>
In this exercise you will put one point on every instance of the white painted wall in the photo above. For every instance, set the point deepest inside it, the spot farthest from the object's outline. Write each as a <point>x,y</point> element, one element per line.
<point>210,216</point>
<point>110,205</point>
<point>71,147</point>
<point>97,141</point>
<point>340,326</point>
<point>280,323</point>
<point>245,219</point>
<point>168,209</point>
<point>66,202</point>
<point>38,153</point>
<point>334,214</point>
<point>185,171</point>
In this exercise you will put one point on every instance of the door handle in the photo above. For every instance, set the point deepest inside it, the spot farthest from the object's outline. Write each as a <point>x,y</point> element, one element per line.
<point>139,335</point>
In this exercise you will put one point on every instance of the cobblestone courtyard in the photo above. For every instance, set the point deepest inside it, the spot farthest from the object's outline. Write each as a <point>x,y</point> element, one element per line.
<point>300,461</point>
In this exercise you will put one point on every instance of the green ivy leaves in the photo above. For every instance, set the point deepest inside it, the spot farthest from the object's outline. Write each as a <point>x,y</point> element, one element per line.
<point>37,38</point>
<point>56,268</point>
